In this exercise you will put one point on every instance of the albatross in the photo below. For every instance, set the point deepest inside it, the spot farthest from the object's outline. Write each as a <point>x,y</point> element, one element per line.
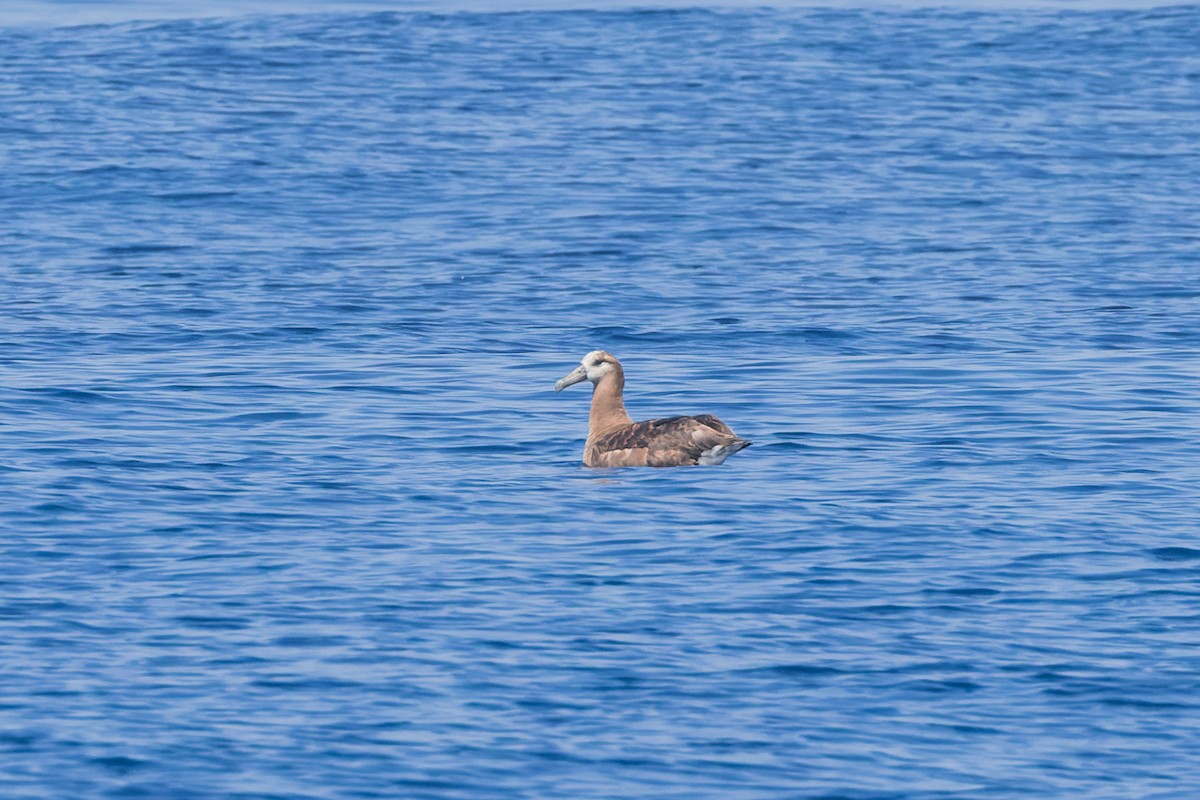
<point>615,440</point>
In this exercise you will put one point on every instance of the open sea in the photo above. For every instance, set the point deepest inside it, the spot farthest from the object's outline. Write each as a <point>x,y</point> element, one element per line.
<point>289,509</point>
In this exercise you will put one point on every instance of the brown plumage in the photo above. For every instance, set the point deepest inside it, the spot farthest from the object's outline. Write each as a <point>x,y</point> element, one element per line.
<point>615,440</point>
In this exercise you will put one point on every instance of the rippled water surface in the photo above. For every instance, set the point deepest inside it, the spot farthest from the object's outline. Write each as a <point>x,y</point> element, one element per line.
<point>289,508</point>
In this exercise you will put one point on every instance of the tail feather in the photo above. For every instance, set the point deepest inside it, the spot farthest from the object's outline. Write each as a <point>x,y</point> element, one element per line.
<point>718,454</point>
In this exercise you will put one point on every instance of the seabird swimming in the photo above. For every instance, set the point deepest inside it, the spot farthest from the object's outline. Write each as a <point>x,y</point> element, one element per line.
<point>615,440</point>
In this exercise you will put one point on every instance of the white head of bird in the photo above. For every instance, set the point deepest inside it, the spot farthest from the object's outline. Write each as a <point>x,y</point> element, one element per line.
<point>594,367</point>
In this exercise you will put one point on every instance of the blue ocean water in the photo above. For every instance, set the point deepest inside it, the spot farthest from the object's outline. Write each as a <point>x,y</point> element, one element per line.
<point>289,508</point>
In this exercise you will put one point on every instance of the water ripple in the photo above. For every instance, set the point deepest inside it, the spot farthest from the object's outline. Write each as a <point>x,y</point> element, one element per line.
<point>292,510</point>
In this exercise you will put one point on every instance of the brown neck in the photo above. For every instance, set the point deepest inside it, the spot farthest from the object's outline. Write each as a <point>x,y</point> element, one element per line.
<point>608,409</point>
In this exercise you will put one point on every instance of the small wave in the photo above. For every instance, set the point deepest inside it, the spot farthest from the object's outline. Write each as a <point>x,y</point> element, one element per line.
<point>1175,553</point>
<point>262,417</point>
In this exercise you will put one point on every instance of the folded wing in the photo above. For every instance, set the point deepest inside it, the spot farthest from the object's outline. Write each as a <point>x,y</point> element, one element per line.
<point>668,442</point>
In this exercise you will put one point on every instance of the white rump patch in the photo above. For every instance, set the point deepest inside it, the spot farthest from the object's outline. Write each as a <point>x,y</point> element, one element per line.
<point>717,455</point>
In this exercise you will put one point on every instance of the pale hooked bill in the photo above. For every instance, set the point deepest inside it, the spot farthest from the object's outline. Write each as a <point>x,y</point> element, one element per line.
<point>615,440</point>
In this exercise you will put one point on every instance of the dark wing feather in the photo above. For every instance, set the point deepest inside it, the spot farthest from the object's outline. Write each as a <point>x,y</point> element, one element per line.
<point>671,440</point>
<point>639,434</point>
<point>714,423</point>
